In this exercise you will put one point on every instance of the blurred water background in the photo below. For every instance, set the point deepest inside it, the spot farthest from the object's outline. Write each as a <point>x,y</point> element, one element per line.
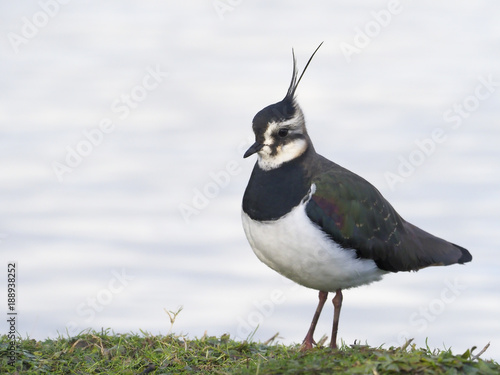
<point>122,129</point>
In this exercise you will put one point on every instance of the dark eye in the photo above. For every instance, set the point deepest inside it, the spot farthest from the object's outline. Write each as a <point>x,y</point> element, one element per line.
<point>283,132</point>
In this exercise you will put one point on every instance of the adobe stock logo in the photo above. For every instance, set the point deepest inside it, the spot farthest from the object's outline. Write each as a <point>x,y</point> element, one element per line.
<point>427,146</point>
<point>223,6</point>
<point>218,181</point>
<point>31,26</point>
<point>380,19</point>
<point>263,309</point>
<point>122,107</point>
<point>95,304</point>
<point>429,313</point>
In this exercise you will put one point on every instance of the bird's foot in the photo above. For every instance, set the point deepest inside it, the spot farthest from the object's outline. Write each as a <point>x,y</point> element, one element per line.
<point>307,346</point>
<point>308,343</point>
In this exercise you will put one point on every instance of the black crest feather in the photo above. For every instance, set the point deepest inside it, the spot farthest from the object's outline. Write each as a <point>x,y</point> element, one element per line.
<point>295,82</point>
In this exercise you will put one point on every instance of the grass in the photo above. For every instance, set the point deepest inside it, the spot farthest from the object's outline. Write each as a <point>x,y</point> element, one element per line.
<point>108,353</point>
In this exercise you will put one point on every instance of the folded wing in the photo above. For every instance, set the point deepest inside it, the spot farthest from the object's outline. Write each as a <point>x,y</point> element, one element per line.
<point>356,216</point>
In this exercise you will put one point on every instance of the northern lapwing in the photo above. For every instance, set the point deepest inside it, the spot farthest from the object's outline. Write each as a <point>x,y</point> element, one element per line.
<point>319,224</point>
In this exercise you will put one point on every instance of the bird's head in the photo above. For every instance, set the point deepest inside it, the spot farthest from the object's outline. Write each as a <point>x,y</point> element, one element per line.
<point>280,128</point>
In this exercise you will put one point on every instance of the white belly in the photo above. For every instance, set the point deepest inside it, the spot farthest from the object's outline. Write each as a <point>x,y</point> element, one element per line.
<point>299,250</point>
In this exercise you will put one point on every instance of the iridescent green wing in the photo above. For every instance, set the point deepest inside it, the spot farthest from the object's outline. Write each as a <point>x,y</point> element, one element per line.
<point>356,216</point>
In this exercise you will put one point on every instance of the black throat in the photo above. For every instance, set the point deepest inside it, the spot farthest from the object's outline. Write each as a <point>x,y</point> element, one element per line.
<point>271,194</point>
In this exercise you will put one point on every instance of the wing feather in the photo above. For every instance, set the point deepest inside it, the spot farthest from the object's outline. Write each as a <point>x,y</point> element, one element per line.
<point>356,216</point>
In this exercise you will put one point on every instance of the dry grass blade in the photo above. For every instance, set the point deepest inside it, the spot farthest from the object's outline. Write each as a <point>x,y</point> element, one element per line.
<point>474,358</point>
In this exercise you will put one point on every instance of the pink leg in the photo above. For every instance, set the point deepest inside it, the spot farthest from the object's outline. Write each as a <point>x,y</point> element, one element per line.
<point>337,305</point>
<point>309,340</point>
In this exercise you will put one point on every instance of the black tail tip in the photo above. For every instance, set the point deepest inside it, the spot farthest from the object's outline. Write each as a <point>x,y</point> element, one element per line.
<point>466,256</point>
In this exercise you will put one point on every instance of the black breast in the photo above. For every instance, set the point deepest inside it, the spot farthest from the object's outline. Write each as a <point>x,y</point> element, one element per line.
<point>272,194</point>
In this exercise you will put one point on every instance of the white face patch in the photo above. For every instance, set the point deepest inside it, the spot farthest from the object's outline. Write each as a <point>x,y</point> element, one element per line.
<point>286,151</point>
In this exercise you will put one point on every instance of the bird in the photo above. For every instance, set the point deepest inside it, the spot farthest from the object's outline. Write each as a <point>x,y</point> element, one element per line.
<point>319,224</point>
